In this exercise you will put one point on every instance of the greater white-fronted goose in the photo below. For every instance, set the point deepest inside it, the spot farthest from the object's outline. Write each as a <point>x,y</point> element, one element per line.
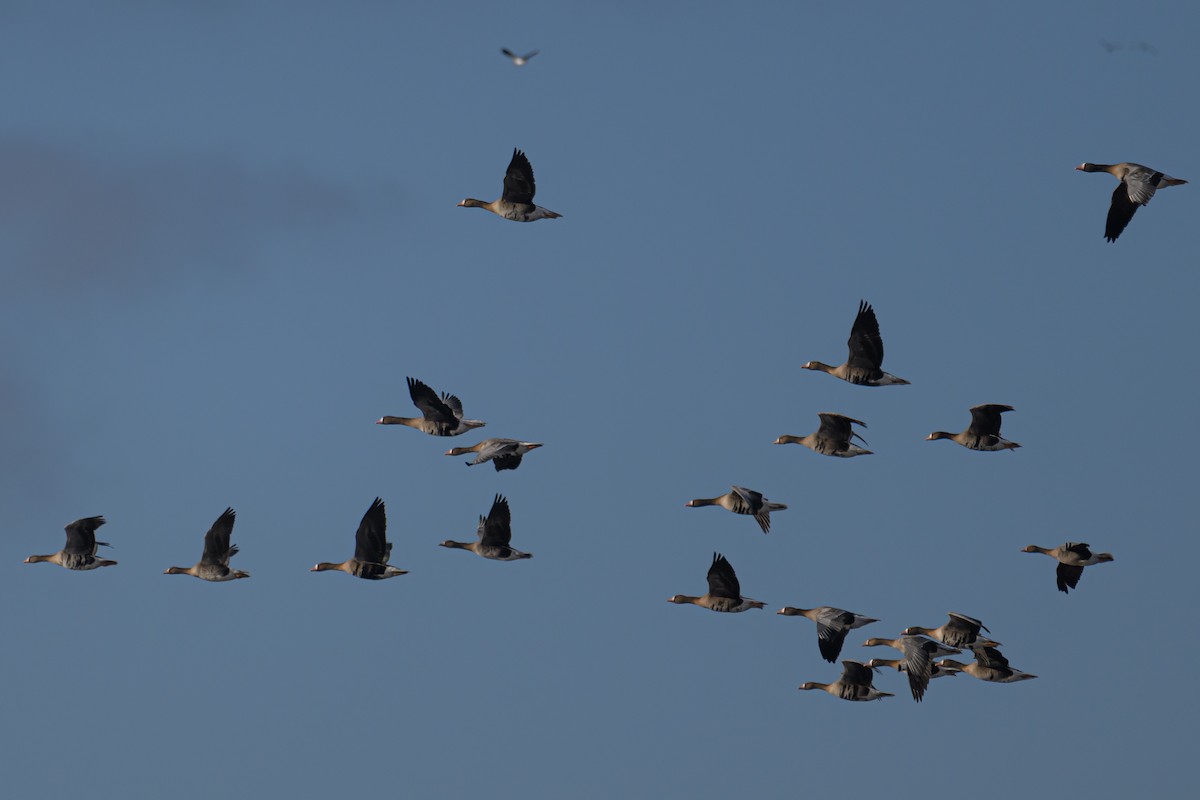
<point>519,61</point>
<point>960,631</point>
<point>855,683</point>
<point>503,453</point>
<point>724,591</point>
<point>832,438</point>
<point>371,549</point>
<point>79,553</point>
<point>935,671</point>
<point>919,653</point>
<point>742,501</point>
<point>832,626</point>
<point>516,202</point>
<point>863,366</point>
<point>440,416</point>
<point>1137,185</point>
<point>989,665</point>
<point>1072,557</point>
<point>984,431</point>
<point>214,563</point>
<point>493,535</point>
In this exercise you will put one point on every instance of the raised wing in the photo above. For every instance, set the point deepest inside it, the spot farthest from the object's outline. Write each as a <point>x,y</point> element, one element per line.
<point>496,528</point>
<point>370,543</point>
<point>518,181</point>
<point>722,581</point>
<point>985,420</point>
<point>865,343</point>
<point>81,536</point>
<point>432,407</point>
<point>216,541</point>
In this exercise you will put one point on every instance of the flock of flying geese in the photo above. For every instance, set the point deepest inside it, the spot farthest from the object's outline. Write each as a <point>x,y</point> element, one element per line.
<point>442,415</point>
<point>864,367</point>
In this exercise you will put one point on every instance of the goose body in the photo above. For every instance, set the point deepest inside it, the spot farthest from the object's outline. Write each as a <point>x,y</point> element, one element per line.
<point>79,553</point>
<point>960,631</point>
<point>1072,557</point>
<point>503,453</point>
<point>214,563</point>
<point>936,670</point>
<point>516,201</point>
<point>1137,185</point>
<point>742,501</point>
<point>919,653</point>
<point>440,416</point>
<point>371,549</point>
<point>864,366</point>
<point>832,626</point>
<point>984,431</point>
<point>493,535</point>
<point>854,684</point>
<point>989,665</point>
<point>832,438</point>
<point>724,591</point>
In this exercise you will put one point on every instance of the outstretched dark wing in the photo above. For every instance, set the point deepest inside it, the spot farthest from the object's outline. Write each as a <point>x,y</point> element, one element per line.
<point>1068,576</point>
<point>370,543</point>
<point>985,421</point>
<point>511,461</point>
<point>1124,206</point>
<point>216,541</point>
<point>81,536</point>
<point>518,181</point>
<point>722,581</point>
<point>865,343</point>
<point>831,634</point>
<point>496,529</point>
<point>432,407</point>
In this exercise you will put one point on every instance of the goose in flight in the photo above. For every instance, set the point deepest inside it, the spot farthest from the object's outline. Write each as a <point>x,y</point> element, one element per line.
<point>493,535</point>
<point>724,591</point>
<point>516,201</point>
<point>984,431</point>
<point>1137,185</point>
<point>371,549</point>
<point>79,553</point>
<point>440,416</point>
<point>865,362</point>
<point>214,563</point>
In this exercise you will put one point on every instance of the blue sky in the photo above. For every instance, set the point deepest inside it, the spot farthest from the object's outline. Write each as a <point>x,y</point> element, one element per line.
<point>229,233</point>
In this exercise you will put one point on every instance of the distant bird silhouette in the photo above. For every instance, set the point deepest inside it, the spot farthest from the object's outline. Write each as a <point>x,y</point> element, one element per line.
<point>516,201</point>
<point>80,551</point>
<point>1137,185</point>
<point>863,366</point>
<point>1142,47</point>
<point>214,563</point>
<point>520,61</point>
<point>440,416</point>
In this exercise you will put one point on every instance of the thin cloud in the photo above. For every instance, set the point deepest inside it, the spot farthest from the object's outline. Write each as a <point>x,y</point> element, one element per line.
<point>68,219</point>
